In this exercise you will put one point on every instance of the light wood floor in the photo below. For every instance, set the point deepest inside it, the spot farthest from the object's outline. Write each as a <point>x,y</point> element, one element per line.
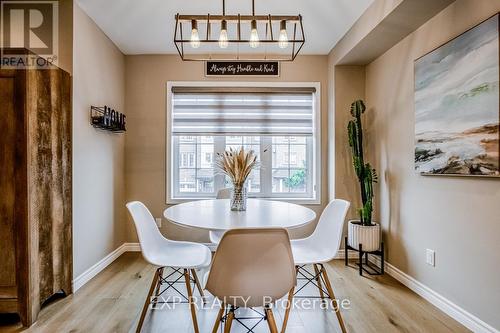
<point>112,301</point>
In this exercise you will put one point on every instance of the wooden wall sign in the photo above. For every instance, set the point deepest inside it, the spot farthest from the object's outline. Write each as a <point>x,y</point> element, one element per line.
<point>242,68</point>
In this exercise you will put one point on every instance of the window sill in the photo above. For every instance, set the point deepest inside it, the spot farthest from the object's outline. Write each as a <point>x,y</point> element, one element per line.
<point>298,201</point>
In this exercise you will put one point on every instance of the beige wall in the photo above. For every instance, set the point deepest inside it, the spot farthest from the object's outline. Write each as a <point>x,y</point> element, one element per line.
<point>98,157</point>
<point>146,80</point>
<point>459,218</point>
<point>349,86</point>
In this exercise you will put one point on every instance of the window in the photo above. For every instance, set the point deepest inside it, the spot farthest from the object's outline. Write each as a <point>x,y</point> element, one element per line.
<point>279,125</point>
<point>290,164</point>
<point>195,174</point>
<point>208,157</point>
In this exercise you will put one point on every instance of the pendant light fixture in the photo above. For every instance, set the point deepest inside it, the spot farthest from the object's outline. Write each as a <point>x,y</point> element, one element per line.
<point>250,37</point>
<point>195,37</point>
<point>223,42</point>
<point>254,34</point>
<point>283,37</point>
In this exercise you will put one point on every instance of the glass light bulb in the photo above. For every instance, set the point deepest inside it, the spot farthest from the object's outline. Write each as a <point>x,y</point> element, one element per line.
<point>223,43</point>
<point>283,39</point>
<point>254,38</point>
<point>195,39</point>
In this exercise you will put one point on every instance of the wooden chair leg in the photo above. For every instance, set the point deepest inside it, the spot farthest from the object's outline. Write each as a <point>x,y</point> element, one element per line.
<point>289,307</point>
<point>271,322</point>
<point>318,281</point>
<point>158,285</point>
<point>190,298</point>
<point>197,281</point>
<point>148,300</point>
<point>334,300</point>
<point>229,321</point>
<point>219,317</point>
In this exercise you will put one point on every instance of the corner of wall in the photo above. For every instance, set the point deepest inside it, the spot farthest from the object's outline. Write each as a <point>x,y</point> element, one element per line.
<point>98,156</point>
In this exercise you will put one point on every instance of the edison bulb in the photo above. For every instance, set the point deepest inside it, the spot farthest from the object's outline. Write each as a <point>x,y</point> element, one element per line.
<point>283,37</point>
<point>223,40</point>
<point>283,40</point>
<point>254,35</point>
<point>223,43</point>
<point>195,38</point>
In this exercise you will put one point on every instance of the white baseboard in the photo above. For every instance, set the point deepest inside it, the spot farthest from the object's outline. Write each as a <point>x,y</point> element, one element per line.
<point>341,254</point>
<point>131,247</point>
<point>86,276</point>
<point>451,309</point>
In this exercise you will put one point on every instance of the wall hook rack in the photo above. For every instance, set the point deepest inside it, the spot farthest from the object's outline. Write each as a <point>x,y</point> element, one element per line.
<point>108,119</point>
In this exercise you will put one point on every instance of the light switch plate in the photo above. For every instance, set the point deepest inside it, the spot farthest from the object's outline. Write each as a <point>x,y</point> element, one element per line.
<point>430,257</point>
<point>158,222</point>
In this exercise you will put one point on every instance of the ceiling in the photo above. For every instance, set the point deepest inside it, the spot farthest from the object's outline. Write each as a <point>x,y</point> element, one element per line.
<point>147,26</point>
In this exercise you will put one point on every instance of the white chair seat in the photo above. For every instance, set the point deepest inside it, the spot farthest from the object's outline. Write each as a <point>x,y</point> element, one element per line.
<point>323,244</point>
<point>215,236</point>
<point>182,255</point>
<point>304,253</point>
<point>321,247</point>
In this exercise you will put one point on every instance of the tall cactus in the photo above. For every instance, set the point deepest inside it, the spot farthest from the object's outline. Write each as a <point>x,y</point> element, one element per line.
<point>364,171</point>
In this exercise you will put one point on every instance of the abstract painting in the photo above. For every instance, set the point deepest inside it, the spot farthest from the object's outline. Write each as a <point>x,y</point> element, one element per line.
<point>457,105</point>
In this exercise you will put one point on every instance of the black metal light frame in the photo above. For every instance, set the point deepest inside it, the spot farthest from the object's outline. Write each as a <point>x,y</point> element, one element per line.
<point>297,41</point>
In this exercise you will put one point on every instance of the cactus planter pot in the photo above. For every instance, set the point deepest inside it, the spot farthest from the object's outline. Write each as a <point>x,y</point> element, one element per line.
<point>363,234</point>
<point>368,236</point>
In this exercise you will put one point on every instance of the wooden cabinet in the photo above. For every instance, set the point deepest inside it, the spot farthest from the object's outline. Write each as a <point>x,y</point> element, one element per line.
<point>35,189</point>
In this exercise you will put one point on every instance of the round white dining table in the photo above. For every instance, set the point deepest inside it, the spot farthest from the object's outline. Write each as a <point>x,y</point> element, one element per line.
<point>216,215</point>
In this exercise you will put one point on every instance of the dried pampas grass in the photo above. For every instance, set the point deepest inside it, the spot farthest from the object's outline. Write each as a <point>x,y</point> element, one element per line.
<point>237,164</point>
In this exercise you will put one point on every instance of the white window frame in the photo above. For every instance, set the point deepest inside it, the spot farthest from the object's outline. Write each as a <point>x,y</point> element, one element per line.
<point>315,175</point>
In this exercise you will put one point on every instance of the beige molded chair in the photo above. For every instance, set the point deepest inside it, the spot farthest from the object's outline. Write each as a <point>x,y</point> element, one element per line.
<point>252,268</point>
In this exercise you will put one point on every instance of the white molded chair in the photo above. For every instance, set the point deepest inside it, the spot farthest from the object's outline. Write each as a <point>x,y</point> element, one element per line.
<point>162,252</point>
<point>321,247</point>
<point>215,236</point>
<point>224,193</point>
<point>252,268</point>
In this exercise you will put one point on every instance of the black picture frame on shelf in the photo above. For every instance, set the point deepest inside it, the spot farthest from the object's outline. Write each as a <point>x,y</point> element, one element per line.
<point>107,119</point>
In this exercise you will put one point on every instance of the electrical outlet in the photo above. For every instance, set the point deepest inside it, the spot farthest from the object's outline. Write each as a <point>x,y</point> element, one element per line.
<point>430,257</point>
<point>158,222</point>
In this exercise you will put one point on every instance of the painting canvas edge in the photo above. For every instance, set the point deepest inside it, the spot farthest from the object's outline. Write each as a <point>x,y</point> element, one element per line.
<point>497,170</point>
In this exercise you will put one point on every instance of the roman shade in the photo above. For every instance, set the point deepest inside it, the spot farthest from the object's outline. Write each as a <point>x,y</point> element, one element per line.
<point>242,111</point>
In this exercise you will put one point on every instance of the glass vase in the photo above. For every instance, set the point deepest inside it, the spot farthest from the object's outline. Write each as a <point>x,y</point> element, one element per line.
<point>239,198</point>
